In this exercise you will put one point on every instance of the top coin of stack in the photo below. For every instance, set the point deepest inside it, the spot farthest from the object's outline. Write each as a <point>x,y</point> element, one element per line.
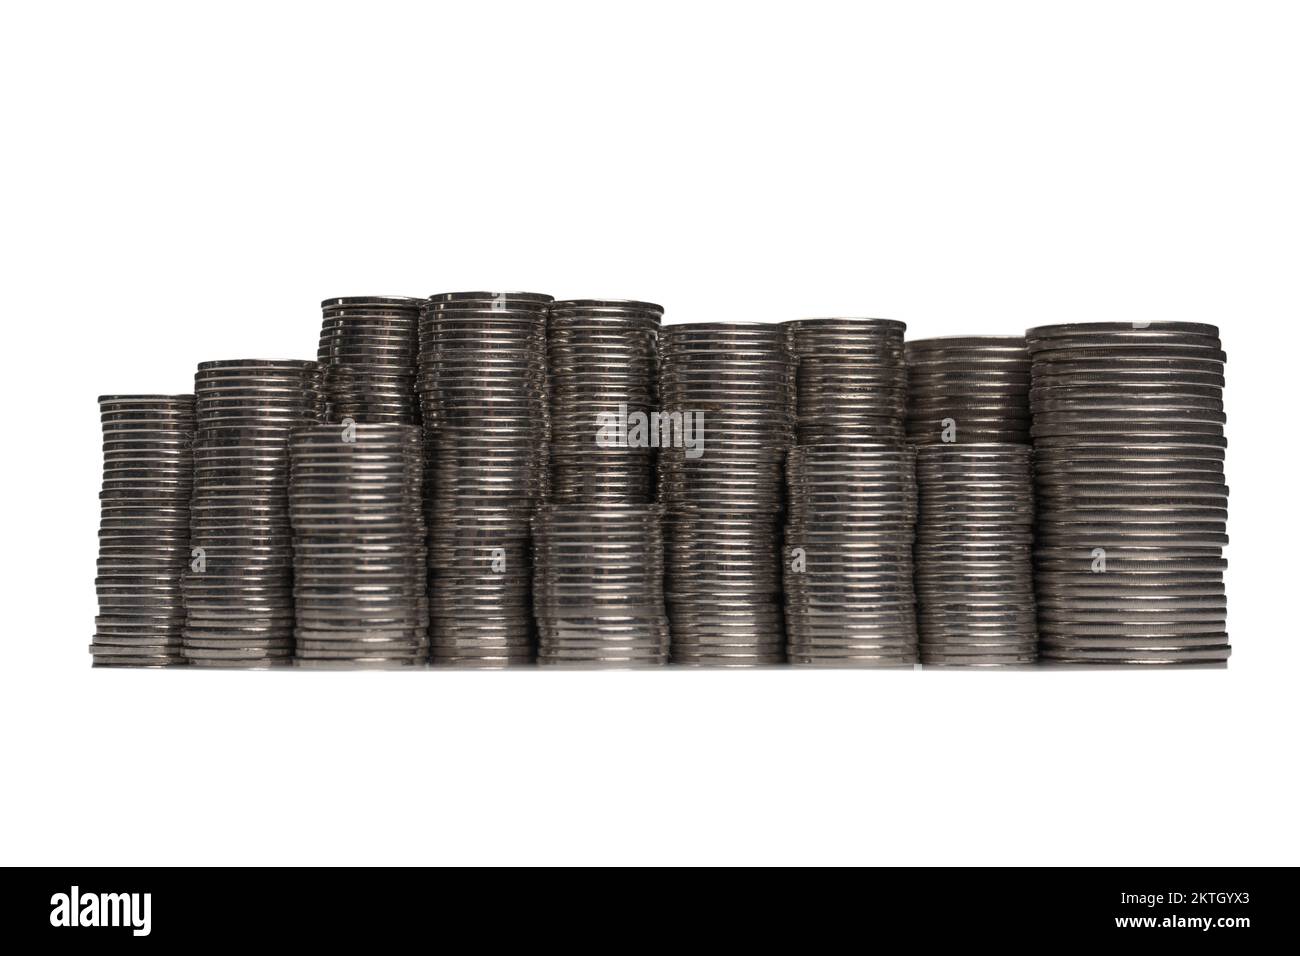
<point>968,389</point>
<point>602,365</point>
<point>239,588</point>
<point>144,528</point>
<point>483,396</point>
<point>368,350</point>
<point>1128,429</point>
<point>727,389</point>
<point>851,379</point>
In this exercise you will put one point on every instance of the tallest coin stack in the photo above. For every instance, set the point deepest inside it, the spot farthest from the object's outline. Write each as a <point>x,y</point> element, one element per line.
<point>482,387</point>
<point>1132,505</point>
<point>598,577</point>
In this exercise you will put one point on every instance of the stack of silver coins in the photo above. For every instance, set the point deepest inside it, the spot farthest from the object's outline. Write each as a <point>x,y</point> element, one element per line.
<point>1128,429</point>
<point>852,379</point>
<point>239,584</point>
<point>602,384</point>
<point>144,529</point>
<point>968,389</point>
<point>360,551</point>
<point>974,564</point>
<point>727,421</point>
<point>848,572</point>
<point>598,585</point>
<point>483,396</point>
<point>368,354</point>
<point>968,413</point>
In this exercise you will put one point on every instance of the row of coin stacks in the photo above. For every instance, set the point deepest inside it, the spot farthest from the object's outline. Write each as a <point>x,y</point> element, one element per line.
<point>727,400</point>
<point>598,545</point>
<point>968,415</point>
<point>487,479</point>
<point>849,598</point>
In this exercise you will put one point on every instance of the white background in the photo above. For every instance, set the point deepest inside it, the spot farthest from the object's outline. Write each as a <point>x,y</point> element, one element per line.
<point>187,182</point>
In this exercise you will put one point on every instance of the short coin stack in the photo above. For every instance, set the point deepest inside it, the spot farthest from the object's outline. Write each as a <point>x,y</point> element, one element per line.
<point>968,389</point>
<point>852,379</point>
<point>239,586</point>
<point>360,558</point>
<point>848,572</point>
<point>727,393</point>
<point>602,380</point>
<point>598,585</point>
<point>974,564</point>
<point>968,413</point>
<point>483,396</point>
<point>368,352</point>
<point>144,528</point>
<point>1132,505</point>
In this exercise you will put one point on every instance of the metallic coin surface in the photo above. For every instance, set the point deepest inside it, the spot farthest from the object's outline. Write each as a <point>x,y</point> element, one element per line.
<point>1128,430</point>
<point>968,389</point>
<point>848,568</point>
<point>484,398</point>
<point>975,501</point>
<point>598,585</point>
<point>727,394</point>
<point>238,582</point>
<point>144,529</point>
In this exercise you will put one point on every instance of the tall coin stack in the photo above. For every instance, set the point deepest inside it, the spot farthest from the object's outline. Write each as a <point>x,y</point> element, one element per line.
<point>482,387</point>
<point>968,411</point>
<point>852,379</point>
<point>974,563</point>
<point>1132,505</point>
<point>368,355</point>
<point>727,395</point>
<point>848,559</point>
<point>143,529</point>
<point>239,585</point>
<point>360,551</point>
<point>602,365</point>
<point>598,585</point>
<point>848,573</point>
